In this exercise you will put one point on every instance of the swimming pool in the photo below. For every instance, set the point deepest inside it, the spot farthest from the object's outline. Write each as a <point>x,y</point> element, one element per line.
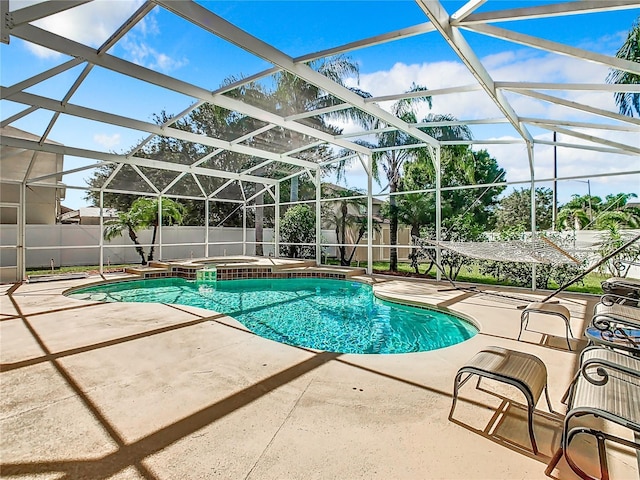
<point>331,315</point>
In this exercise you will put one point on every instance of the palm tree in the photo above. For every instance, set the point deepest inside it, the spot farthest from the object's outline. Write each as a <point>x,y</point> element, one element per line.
<point>415,210</point>
<point>293,95</point>
<point>578,212</point>
<point>615,212</point>
<point>628,103</point>
<point>585,212</point>
<point>338,214</point>
<point>142,214</point>
<point>130,222</point>
<point>573,218</point>
<point>148,213</point>
<point>392,161</point>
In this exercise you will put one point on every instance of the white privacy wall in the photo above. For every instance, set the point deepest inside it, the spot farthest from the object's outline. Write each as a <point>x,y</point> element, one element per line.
<point>70,245</point>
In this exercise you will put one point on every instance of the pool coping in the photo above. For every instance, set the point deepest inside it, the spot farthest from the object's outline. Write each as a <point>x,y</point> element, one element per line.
<point>367,280</point>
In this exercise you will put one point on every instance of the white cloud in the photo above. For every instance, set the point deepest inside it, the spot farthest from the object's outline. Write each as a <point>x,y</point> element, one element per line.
<point>571,162</point>
<point>90,23</point>
<point>513,66</point>
<point>524,66</point>
<point>107,141</point>
<point>141,53</point>
<point>138,50</point>
<point>93,23</point>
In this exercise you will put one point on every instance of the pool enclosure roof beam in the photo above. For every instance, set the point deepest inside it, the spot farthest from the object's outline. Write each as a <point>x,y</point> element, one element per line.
<point>585,147</point>
<point>17,116</point>
<point>69,47</point>
<point>211,22</point>
<point>422,93</point>
<point>118,120</point>
<point>110,42</point>
<point>466,10</point>
<point>591,138</point>
<point>580,106</point>
<point>597,87</point>
<point>41,10</point>
<point>542,11</point>
<point>369,42</point>
<point>555,47</point>
<point>482,121</point>
<point>440,18</point>
<point>142,162</point>
<point>41,77</point>
<point>569,123</point>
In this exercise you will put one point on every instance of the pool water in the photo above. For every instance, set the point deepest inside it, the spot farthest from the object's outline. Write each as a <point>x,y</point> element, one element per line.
<point>331,315</point>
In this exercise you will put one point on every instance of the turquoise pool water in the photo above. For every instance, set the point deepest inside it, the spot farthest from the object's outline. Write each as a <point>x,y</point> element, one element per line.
<point>331,315</point>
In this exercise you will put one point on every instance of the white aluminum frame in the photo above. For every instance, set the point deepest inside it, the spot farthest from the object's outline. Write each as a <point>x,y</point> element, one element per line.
<point>19,23</point>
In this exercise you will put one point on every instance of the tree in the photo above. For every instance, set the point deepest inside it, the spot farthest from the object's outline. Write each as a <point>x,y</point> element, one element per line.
<point>579,212</point>
<point>591,212</point>
<point>143,214</point>
<point>293,95</point>
<point>414,210</point>
<point>459,166</point>
<point>514,210</point>
<point>345,216</point>
<point>466,213</point>
<point>611,240</point>
<point>298,226</point>
<point>391,161</point>
<point>148,213</point>
<point>628,102</point>
<point>615,212</point>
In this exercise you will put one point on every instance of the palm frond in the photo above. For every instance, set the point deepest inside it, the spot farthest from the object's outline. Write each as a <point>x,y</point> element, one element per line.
<point>628,103</point>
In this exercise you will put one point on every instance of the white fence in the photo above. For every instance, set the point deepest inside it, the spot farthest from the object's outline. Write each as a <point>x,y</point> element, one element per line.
<point>72,245</point>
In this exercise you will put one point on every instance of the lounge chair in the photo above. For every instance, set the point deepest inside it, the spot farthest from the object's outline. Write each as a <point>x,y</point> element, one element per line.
<point>626,287</point>
<point>607,386</point>
<point>615,325</point>
<point>521,370</point>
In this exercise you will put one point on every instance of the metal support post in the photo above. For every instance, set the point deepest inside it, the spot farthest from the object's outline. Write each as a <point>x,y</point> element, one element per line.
<point>159,227</point>
<point>21,259</point>
<point>206,227</point>
<point>244,228</point>
<point>438,210</point>
<point>533,213</point>
<point>369,163</point>
<point>276,223</point>
<point>318,219</point>
<point>101,239</point>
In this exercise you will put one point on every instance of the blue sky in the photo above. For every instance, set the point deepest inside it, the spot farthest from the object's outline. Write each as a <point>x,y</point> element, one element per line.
<point>170,45</point>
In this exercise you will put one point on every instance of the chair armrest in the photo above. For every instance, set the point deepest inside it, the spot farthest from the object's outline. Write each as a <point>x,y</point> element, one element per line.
<point>609,299</point>
<point>607,321</point>
<point>602,369</point>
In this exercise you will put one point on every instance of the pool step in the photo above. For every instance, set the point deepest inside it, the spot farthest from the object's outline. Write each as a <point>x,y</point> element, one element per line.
<point>348,272</point>
<point>277,266</point>
<point>143,270</point>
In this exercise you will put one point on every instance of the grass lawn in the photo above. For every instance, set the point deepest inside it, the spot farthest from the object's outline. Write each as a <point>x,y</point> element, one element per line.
<point>589,284</point>
<point>77,269</point>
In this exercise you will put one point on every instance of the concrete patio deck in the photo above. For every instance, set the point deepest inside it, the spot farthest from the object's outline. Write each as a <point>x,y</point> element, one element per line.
<point>154,391</point>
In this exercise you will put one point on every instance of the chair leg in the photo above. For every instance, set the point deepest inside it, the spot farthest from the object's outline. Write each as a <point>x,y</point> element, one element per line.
<point>546,394</point>
<point>523,318</point>
<point>566,322</point>
<point>554,461</point>
<point>602,454</point>
<point>456,386</point>
<point>533,438</point>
